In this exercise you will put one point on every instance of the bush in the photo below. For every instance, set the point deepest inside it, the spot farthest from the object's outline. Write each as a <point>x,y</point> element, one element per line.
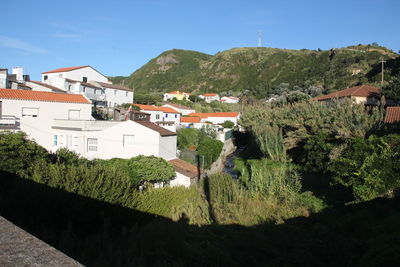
<point>208,151</point>
<point>228,124</point>
<point>315,156</point>
<point>370,167</point>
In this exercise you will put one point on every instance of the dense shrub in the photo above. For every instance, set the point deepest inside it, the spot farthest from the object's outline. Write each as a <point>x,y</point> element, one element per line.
<point>228,124</point>
<point>209,150</point>
<point>370,167</point>
<point>315,153</point>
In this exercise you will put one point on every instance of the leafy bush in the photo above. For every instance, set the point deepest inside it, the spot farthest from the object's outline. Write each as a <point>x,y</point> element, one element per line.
<point>370,167</point>
<point>17,153</point>
<point>228,124</point>
<point>315,155</point>
<point>209,150</point>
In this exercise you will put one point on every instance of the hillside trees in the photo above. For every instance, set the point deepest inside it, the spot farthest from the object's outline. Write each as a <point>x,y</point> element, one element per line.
<point>392,90</point>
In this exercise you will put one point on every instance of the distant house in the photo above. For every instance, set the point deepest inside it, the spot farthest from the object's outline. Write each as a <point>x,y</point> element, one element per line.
<point>160,114</point>
<point>176,94</point>
<point>392,115</point>
<point>186,173</point>
<point>89,81</point>
<point>229,99</point>
<point>184,110</point>
<point>209,97</point>
<point>359,94</point>
<point>218,117</point>
<point>193,122</point>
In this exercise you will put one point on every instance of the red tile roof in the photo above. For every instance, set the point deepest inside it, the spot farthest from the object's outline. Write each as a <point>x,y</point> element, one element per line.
<point>392,115</point>
<point>154,108</point>
<point>211,94</point>
<point>362,90</point>
<point>65,69</point>
<point>42,96</point>
<point>185,168</point>
<point>216,114</point>
<point>190,119</point>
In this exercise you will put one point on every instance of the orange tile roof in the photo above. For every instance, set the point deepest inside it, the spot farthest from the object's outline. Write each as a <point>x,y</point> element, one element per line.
<point>154,108</point>
<point>65,69</point>
<point>392,115</point>
<point>185,168</point>
<point>42,96</point>
<point>211,94</point>
<point>190,119</point>
<point>215,114</point>
<point>362,90</point>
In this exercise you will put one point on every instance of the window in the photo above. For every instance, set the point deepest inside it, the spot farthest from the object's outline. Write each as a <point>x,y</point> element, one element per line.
<point>68,140</point>
<point>45,77</point>
<point>176,116</point>
<point>30,112</point>
<point>126,93</point>
<point>69,87</point>
<point>157,116</point>
<point>84,89</point>
<point>55,140</point>
<point>129,140</point>
<point>115,92</point>
<point>84,79</point>
<point>92,144</point>
<point>73,114</point>
<point>166,115</point>
<point>60,75</point>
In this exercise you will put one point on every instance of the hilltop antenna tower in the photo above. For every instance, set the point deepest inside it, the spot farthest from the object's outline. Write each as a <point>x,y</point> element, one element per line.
<point>260,38</point>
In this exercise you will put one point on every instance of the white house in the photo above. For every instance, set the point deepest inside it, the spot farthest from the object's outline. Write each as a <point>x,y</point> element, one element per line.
<point>209,97</point>
<point>183,110</point>
<point>79,73</point>
<point>229,99</point>
<point>115,94</point>
<point>218,117</point>
<point>186,173</point>
<point>87,80</point>
<point>176,94</point>
<point>160,113</point>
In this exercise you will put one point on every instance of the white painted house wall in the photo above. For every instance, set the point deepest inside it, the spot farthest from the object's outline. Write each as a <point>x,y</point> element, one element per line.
<point>180,180</point>
<point>39,128</point>
<point>175,117</point>
<point>219,120</point>
<point>182,111</point>
<point>168,146</point>
<point>78,74</point>
<point>118,97</point>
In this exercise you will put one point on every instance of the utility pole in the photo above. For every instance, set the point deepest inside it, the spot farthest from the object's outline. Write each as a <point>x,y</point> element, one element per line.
<point>382,61</point>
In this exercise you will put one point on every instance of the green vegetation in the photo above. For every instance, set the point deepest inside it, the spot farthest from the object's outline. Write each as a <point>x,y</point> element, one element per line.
<point>228,124</point>
<point>258,71</point>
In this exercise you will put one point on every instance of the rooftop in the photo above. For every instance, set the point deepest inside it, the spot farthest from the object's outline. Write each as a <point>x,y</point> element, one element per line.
<point>162,131</point>
<point>361,90</point>
<point>392,115</point>
<point>155,108</point>
<point>42,96</point>
<point>190,119</point>
<point>185,168</point>
<point>115,86</point>
<point>49,86</point>
<point>65,69</point>
<point>210,94</point>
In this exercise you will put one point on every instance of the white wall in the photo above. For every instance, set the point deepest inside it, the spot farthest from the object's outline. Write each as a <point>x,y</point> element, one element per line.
<point>167,147</point>
<point>88,72</point>
<point>219,120</point>
<point>153,115</point>
<point>175,117</point>
<point>180,180</point>
<point>118,97</point>
<point>39,128</point>
<point>182,111</point>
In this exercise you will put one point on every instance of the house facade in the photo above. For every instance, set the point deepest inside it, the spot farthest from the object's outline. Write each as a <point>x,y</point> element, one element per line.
<point>160,114</point>
<point>229,100</point>
<point>88,81</point>
<point>363,94</point>
<point>217,117</point>
<point>209,97</point>
<point>176,94</point>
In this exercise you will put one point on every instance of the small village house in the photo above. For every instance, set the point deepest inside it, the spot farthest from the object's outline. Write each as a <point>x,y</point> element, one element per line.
<point>183,110</point>
<point>177,95</point>
<point>229,100</point>
<point>359,94</point>
<point>209,97</point>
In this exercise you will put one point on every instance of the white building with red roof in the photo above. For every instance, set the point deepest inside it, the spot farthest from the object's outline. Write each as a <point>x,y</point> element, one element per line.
<point>229,100</point>
<point>183,110</point>
<point>217,117</point>
<point>160,114</point>
<point>210,97</point>
<point>87,80</point>
<point>366,94</point>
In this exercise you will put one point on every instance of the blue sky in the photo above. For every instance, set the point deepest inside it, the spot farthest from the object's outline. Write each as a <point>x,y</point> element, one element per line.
<point>118,37</point>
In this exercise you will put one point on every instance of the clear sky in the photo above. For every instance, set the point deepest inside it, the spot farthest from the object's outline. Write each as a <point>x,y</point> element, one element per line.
<point>118,37</point>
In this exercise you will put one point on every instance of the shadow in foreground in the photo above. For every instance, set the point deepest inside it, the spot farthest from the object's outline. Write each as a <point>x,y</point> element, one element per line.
<point>100,234</point>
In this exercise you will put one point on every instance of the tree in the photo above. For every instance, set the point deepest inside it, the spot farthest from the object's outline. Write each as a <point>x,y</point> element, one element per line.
<point>151,169</point>
<point>209,150</point>
<point>392,90</point>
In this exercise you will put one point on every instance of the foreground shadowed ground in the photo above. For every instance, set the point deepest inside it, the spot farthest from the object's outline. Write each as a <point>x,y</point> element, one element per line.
<point>100,234</point>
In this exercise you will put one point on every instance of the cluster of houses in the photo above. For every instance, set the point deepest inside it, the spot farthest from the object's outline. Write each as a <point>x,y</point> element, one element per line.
<point>57,113</point>
<point>208,98</point>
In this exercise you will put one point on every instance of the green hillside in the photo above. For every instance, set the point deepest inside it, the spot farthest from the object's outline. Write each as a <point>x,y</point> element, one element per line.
<point>259,69</point>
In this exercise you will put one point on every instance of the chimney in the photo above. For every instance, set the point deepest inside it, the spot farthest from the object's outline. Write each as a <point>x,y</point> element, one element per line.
<point>19,72</point>
<point>3,78</point>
